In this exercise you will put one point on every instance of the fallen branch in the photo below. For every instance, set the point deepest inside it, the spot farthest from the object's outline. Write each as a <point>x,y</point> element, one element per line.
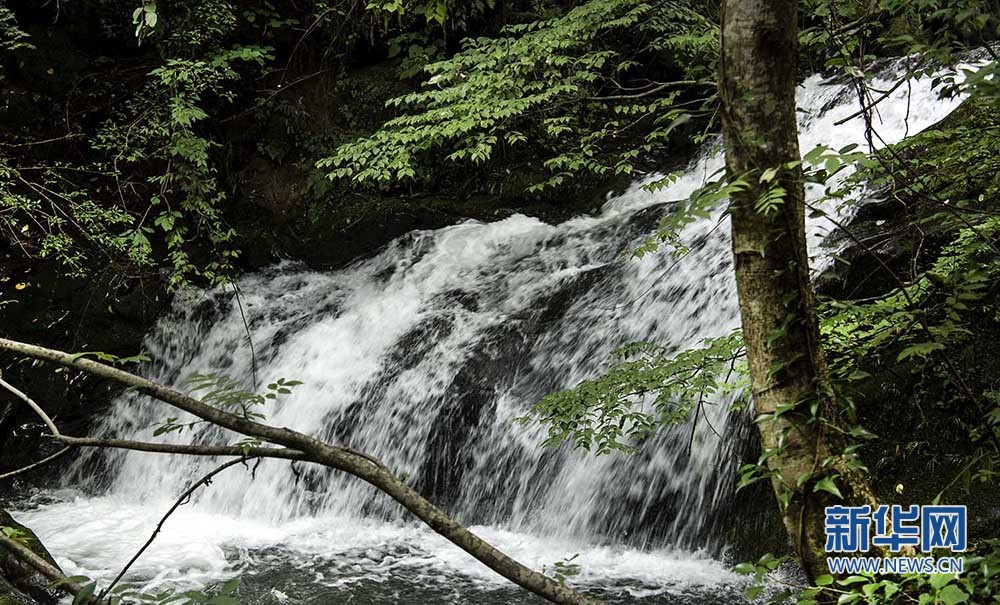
<point>346,459</point>
<point>46,569</point>
<point>189,450</point>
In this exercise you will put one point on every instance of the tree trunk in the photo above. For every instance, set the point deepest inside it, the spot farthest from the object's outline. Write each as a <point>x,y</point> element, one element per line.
<point>788,372</point>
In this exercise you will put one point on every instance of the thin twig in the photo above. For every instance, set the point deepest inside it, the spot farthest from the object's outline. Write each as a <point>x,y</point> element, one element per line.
<point>246,328</point>
<point>73,135</point>
<point>868,107</point>
<point>206,480</point>
<point>35,465</point>
<point>34,406</point>
<point>652,91</point>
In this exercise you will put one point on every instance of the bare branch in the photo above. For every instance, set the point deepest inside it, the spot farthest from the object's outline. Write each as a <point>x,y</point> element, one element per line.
<point>653,91</point>
<point>870,106</point>
<point>351,461</point>
<point>28,556</point>
<point>233,422</point>
<point>189,450</point>
<point>35,465</point>
<point>34,406</point>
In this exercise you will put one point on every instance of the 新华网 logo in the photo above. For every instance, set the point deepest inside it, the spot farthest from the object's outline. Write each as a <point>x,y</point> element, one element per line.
<point>858,529</point>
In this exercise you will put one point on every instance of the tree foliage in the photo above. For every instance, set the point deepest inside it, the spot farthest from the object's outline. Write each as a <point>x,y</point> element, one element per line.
<point>650,388</point>
<point>143,191</point>
<point>137,174</point>
<point>572,91</point>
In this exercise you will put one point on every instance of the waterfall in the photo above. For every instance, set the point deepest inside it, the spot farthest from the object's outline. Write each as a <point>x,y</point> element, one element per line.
<point>424,355</point>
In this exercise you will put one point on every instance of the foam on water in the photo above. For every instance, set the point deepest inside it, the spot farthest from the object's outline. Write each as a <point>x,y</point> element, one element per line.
<point>423,355</point>
<point>198,547</point>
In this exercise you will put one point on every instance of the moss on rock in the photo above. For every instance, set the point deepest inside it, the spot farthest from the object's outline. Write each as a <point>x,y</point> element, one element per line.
<point>20,583</point>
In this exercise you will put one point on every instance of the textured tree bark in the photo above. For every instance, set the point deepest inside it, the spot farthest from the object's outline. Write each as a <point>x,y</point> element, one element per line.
<point>304,447</point>
<point>787,367</point>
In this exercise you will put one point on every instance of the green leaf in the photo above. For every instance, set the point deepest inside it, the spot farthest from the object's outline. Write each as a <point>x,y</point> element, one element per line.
<point>952,594</point>
<point>230,587</point>
<point>69,580</point>
<point>86,592</point>
<point>890,588</point>
<point>857,375</point>
<point>939,580</point>
<point>922,349</point>
<point>826,484</point>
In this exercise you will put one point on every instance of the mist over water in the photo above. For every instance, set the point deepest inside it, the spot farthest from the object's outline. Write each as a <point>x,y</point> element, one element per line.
<point>424,355</point>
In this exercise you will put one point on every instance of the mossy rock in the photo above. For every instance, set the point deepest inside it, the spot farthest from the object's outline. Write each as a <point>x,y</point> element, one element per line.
<point>9,595</point>
<point>19,583</point>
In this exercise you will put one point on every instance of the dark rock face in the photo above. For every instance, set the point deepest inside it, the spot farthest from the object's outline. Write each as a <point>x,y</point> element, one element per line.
<point>45,307</point>
<point>10,595</point>
<point>285,207</point>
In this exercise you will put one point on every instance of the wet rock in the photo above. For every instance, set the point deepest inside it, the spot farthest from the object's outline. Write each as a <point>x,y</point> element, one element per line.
<point>9,595</point>
<point>19,582</point>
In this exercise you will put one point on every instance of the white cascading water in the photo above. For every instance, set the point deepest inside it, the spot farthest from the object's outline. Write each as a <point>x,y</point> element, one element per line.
<point>424,355</point>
